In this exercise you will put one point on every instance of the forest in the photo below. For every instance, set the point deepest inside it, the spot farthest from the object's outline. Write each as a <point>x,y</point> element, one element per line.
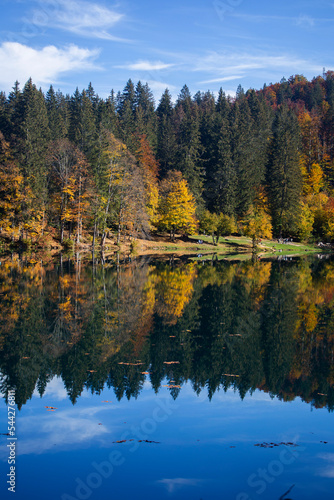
<point>79,168</point>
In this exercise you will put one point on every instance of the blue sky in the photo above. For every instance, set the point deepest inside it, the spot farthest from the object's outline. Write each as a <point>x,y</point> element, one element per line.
<point>205,44</point>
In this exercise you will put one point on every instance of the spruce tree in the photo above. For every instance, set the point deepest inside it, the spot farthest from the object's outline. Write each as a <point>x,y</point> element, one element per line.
<point>188,142</point>
<point>166,140</point>
<point>34,140</point>
<point>284,176</point>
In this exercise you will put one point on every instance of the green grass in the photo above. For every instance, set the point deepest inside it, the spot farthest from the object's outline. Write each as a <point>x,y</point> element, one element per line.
<point>242,246</point>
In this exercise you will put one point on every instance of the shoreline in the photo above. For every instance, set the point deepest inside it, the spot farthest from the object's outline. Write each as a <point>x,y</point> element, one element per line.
<point>229,247</point>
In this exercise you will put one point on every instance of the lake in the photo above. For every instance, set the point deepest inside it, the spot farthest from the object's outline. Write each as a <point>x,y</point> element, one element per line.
<point>199,379</point>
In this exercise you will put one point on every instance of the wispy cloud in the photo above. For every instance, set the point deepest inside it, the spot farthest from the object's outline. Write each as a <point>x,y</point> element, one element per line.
<point>224,65</point>
<point>328,470</point>
<point>178,482</point>
<point>146,66</point>
<point>301,20</point>
<point>82,18</point>
<point>44,66</point>
<point>305,21</point>
<point>222,79</point>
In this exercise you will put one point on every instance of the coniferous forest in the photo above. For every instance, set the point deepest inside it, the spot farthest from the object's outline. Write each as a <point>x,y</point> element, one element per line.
<point>79,167</point>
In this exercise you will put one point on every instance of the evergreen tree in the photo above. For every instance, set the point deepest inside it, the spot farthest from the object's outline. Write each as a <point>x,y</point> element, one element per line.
<point>35,138</point>
<point>107,115</point>
<point>224,177</point>
<point>126,110</point>
<point>284,174</point>
<point>166,140</point>
<point>83,126</point>
<point>58,114</point>
<point>145,117</point>
<point>188,142</point>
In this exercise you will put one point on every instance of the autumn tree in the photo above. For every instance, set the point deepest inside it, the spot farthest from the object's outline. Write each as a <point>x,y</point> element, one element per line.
<point>226,225</point>
<point>69,189</point>
<point>149,167</point>
<point>177,205</point>
<point>257,225</point>
<point>11,191</point>
<point>208,224</point>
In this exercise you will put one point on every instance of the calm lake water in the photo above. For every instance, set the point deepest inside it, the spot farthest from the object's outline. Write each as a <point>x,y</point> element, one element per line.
<point>168,380</point>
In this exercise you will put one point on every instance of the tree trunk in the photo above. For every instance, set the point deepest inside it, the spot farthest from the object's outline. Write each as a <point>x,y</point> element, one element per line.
<point>94,235</point>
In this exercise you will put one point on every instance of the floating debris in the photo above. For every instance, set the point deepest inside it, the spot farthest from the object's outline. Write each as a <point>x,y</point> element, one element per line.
<point>106,401</point>
<point>230,375</point>
<point>147,441</point>
<point>172,386</point>
<point>273,445</point>
<point>120,441</point>
<point>172,362</point>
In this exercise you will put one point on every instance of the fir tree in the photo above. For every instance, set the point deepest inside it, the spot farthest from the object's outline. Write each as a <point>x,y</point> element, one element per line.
<point>284,174</point>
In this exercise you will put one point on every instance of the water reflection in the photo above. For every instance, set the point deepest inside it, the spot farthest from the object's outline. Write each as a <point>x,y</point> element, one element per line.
<point>245,325</point>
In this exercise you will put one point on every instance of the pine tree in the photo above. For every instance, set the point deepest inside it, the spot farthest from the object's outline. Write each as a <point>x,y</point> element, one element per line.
<point>166,146</point>
<point>58,114</point>
<point>188,142</point>
<point>83,125</point>
<point>224,178</point>
<point>107,115</point>
<point>284,177</point>
<point>145,117</point>
<point>126,110</point>
<point>34,142</point>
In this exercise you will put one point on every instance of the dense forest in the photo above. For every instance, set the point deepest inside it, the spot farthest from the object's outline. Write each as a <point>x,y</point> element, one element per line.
<point>78,168</point>
<point>218,325</point>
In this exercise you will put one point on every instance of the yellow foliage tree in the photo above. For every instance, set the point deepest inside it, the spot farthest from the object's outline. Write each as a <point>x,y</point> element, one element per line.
<point>305,224</point>
<point>11,191</point>
<point>257,225</point>
<point>177,205</point>
<point>312,179</point>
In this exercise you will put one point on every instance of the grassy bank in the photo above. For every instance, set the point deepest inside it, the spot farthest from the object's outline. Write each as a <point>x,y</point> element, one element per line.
<point>161,244</point>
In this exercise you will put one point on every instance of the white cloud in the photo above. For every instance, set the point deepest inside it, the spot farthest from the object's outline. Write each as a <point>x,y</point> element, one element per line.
<point>305,21</point>
<point>55,389</point>
<point>146,66</point>
<point>225,64</point>
<point>82,18</point>
<point>44,66</point>
<point>222,79</point>
<point>327,471</point>
<point>178,482</point>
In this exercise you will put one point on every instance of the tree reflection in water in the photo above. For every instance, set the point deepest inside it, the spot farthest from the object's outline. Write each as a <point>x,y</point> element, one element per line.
<point>263,325</point>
